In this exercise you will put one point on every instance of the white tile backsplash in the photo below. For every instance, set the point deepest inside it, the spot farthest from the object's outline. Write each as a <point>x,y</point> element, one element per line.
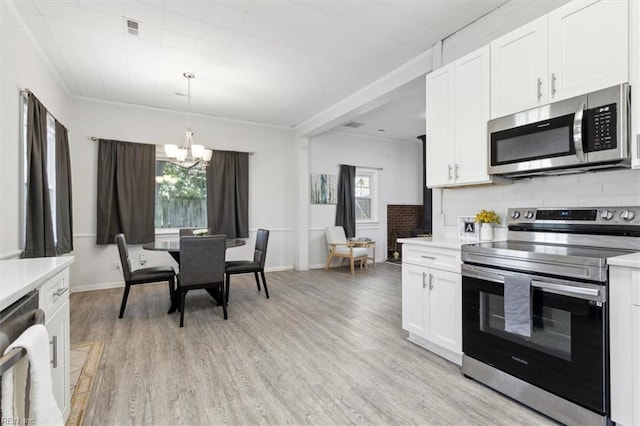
<point>603,188</point>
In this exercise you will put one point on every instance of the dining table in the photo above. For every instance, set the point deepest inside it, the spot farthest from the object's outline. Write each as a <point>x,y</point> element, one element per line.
<point>172,247</point>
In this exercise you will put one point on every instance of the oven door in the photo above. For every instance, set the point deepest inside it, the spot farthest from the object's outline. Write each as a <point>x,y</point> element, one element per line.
<point>565,354</point>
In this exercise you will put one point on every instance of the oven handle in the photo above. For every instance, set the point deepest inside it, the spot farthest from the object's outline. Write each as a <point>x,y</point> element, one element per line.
<point>566,290</point>
<point>556,288</point>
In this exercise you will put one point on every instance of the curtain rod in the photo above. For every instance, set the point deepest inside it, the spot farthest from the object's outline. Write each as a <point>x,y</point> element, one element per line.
<point>25,94</point>
<point>363,167</point>
<point>93,138</point>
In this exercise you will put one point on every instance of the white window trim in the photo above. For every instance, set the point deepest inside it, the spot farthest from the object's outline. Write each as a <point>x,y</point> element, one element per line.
<point>373,175</point>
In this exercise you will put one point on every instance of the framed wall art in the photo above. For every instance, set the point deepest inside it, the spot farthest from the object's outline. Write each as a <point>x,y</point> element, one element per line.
<point>468,229</point>
<point>324,189</point>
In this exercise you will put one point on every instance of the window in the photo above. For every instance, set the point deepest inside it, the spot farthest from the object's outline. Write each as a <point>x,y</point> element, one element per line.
<point>51,169</point>
<point>366,195</point>
<point>181,196</point>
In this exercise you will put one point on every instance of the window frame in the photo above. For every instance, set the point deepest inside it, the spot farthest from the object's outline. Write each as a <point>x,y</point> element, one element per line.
<point>373,175</point>
<point>51,170</point>
<point>160,156</point>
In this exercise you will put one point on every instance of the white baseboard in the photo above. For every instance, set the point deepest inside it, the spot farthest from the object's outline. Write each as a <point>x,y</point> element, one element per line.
<point>91,287</point>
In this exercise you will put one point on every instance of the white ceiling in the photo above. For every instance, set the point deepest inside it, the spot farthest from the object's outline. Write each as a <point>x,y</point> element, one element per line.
<point>273,62</point>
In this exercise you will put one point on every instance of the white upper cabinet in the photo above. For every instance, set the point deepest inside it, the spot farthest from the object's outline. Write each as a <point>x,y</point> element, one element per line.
<point>457,113</point>
<point>588,47</point>
<point>519,63</point>
<point>634,80</point>
<point>439,105</point>
<point>471,113</point>
<point>578,48</point>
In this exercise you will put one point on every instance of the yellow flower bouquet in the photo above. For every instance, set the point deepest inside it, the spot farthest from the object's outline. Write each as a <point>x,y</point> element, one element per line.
<point>487,216</point>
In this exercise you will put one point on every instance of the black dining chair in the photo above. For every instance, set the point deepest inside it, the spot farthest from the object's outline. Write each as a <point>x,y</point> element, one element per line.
<point>256,265</point>
<point>202,263</point>
<point>151,274</point>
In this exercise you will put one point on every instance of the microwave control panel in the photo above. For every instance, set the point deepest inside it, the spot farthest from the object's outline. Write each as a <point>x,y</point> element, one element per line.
<point>601,128</point>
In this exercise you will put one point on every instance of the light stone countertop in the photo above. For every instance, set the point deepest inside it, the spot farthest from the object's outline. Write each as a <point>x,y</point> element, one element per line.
<point>443,242</point>
<point>19,276</point>
<point>628,260</point>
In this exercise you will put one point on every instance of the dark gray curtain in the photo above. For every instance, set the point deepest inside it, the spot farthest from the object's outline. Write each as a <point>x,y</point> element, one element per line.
<point>39,240</point>
<point>64,213</point>
<point>126,191</point>
<point>228,194</point>
<point>346,207</point>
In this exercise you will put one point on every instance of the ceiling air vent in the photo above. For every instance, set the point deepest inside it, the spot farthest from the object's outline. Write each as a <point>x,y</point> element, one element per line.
<point>353,124</point>
<point>133,27</point>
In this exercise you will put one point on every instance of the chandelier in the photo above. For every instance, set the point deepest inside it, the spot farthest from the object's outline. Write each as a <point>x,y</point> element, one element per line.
<point>190,154</point>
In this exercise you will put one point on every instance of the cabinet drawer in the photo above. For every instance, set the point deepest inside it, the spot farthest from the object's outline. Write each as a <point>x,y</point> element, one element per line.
<point>54,292</point>
<point>432,257</point>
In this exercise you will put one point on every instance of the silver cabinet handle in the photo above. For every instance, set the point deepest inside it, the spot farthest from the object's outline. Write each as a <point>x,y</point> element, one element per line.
<point>577,133</point>
<point>424,285</point>
<point>553,83</point>
<point>455,172</point>
<point>638,145</point>
<point>54,342</point>
<point>449,166</point>
<point>539,89</point>
<point>430,282</point>
<point>59,293</point>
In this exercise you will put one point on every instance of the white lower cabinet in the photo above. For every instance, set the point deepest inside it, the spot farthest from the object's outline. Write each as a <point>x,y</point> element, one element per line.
<point>54,301</point>
<point>58,329</point>
<point>624,325</point>
<point>432,301</point>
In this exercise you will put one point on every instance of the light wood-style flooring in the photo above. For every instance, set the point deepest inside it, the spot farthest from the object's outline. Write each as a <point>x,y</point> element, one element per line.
<point>326,348</point>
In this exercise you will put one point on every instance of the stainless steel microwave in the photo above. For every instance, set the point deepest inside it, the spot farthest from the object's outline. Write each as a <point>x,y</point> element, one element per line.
<point>583,133</point>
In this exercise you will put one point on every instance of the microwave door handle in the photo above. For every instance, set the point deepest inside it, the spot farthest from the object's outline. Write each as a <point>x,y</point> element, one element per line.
<point>577,133</point>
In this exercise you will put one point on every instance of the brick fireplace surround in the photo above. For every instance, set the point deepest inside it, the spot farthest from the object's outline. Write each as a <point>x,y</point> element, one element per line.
<point>404,220</point>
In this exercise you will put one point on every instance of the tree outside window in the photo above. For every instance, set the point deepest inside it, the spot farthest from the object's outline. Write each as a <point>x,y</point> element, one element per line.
<point>181,196</point>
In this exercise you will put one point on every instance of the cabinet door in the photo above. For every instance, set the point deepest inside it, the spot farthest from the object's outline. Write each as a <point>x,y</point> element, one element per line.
<point>414,299</point>
<point>634,80</point>
<point>445,309</point>
<point>519,69</point>
<point>471,112</point>
<point>588,47</point>
<point>439,129</point>
<point>58,329</point>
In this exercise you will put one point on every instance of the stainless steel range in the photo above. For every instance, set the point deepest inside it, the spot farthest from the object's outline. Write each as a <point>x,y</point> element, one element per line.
<point>535,312</point>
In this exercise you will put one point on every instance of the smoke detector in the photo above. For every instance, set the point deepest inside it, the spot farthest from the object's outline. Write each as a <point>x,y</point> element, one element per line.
<point>133,27</point>
<point>353,124</point>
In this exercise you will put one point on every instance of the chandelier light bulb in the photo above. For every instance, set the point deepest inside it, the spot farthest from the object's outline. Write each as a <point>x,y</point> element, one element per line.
<point>197,151</point>
<point>170,150</point>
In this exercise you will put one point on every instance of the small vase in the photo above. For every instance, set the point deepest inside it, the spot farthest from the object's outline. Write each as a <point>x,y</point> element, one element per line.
<point>486,232</point>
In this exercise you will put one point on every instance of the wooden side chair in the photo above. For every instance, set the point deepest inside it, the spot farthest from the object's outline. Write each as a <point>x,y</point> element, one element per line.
<point>151,274</point>
<point>202,267</point>
<point>256,265</point>
<point>339,247</point>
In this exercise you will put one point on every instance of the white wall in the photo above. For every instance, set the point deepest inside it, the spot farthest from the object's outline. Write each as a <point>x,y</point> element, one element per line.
<point>21,66</point>
<point>271,186</point>
<point>400,182</point>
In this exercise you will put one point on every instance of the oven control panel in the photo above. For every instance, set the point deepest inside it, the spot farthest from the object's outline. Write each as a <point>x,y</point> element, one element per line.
<point>625,215</point>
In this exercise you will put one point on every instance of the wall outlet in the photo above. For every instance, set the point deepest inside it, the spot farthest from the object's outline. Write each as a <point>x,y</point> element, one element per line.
<point>115,265</point>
